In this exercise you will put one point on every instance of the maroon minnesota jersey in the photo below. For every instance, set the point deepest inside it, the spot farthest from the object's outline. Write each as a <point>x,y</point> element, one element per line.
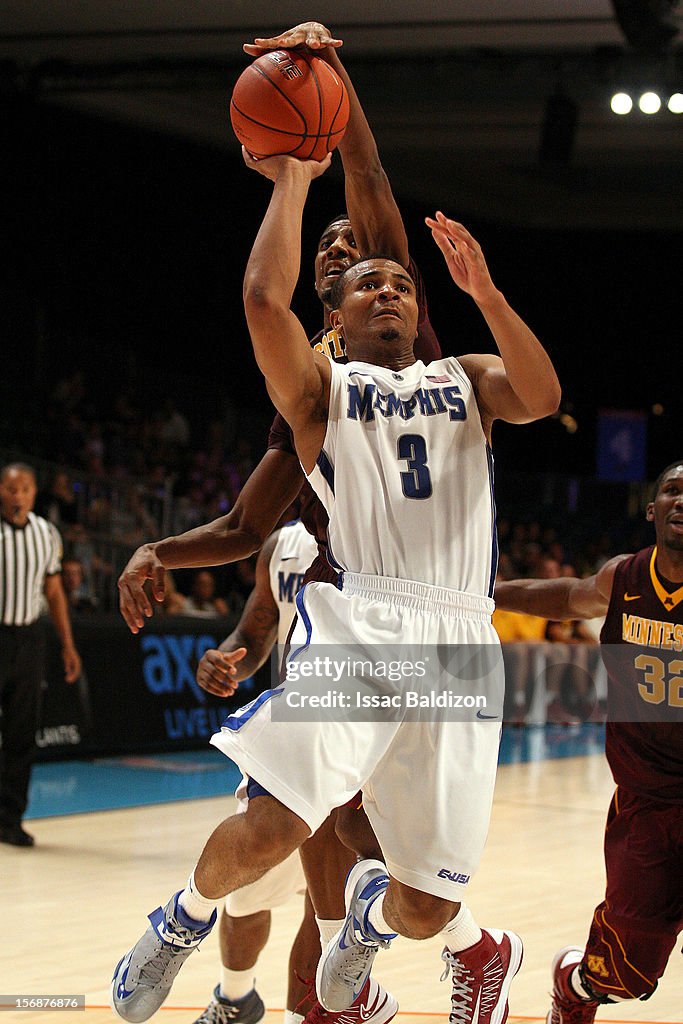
<point>642,648</point>
<point>312,512</point>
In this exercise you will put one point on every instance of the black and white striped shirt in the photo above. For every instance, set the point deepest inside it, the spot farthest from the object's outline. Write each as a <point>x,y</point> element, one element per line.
<point>27,555</point>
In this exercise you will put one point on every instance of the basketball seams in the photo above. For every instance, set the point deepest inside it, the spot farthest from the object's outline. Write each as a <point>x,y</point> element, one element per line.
<point>282,93</point>
<point>321,101</point>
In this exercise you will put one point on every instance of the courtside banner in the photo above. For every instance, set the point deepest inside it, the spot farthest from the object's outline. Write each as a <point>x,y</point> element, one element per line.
<point>137,693</point>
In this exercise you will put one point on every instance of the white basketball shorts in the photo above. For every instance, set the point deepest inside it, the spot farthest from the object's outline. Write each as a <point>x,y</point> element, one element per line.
<point>427,785</point>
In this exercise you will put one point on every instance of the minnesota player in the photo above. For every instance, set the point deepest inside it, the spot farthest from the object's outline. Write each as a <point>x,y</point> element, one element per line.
<point>410,531</point>
<point>634,929</point>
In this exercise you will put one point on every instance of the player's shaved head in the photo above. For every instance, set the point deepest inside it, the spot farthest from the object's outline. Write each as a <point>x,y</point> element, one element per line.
<point>673,469</point>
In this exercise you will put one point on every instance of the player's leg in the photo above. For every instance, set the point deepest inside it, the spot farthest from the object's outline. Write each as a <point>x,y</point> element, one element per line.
<point>235,999</point>
<point>327,862</point>
<point>303,960</point>
<point>635,928</point>
<point>355,831</point>
<point>429,803</point>
<point>238,852</point>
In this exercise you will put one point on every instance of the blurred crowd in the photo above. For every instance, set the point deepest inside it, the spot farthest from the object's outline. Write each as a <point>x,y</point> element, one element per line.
<point>115,475</point>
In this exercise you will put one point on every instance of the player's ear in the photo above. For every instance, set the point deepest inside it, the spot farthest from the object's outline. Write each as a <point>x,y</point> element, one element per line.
<point>336,321</point>
<point>650,512</point>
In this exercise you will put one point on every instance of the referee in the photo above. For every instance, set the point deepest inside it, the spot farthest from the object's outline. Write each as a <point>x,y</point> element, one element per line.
<point>30,566</point>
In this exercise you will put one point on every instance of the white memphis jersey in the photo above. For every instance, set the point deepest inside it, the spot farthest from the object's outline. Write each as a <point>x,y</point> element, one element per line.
<point>294,551</point>
<point>406,475</point>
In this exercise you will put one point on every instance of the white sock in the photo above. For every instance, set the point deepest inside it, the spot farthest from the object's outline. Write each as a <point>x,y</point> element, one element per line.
<point>576,985</point>
<point>462,932</point>
<point>327,929</point>
<point>292,1017</point>
<point>376,918</point>
<point>194,904</point>
<point>236,984</point>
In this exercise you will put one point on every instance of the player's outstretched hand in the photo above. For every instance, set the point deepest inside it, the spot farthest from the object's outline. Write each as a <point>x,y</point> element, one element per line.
<point>310,35</point>
<point>272,166</point>
<point>134,604</point>
<point>217,669</point>
<point>463,255</point>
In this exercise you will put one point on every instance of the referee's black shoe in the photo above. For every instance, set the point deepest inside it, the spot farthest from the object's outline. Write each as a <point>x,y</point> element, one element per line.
<point>15,836</point>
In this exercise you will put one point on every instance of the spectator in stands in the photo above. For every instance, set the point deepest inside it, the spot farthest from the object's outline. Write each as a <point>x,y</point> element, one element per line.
<point>175,428</point>
<point>202,600</point>
<point>78,595</point>
<point>95,569</point>
<point>57,502</point>
<point>132,521</point>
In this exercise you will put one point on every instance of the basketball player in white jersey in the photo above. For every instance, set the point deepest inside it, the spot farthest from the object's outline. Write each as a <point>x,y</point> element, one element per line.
<point>379,438</point>
<point>245,921</point>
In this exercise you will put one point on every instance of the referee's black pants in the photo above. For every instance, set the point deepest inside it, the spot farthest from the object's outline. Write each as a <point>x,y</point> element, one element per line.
<point>21,672</point>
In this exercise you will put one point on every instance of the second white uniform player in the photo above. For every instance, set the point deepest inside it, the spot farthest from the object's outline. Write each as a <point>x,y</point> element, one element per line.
<point>293,552</point>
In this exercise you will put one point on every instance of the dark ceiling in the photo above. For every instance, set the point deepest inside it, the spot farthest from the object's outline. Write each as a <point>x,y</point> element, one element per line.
<point>457,91</point>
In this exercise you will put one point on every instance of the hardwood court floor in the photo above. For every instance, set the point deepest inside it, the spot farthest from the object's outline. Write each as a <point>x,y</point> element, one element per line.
<point>76,902</point>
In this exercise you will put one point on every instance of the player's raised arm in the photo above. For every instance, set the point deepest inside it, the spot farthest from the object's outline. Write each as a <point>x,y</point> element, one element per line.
<point>375,217</point>
<point>296,376</point>
<point>521,385</point>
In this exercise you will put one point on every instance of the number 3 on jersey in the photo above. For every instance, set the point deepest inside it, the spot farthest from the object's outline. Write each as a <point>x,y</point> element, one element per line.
<point>416,482</point>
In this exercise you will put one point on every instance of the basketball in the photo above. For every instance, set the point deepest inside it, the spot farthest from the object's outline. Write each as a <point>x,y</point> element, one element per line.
<point>289,102</point>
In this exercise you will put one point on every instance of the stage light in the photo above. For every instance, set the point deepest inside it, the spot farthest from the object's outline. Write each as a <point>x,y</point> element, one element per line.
<point>675,103</point>
<point>621,103</point>
<point>649,103</point>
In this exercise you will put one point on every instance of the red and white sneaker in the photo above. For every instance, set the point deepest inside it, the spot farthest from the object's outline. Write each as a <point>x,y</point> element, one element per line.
<point>567,1007</point>
<point>482,976</point>
<point>374,1005</point>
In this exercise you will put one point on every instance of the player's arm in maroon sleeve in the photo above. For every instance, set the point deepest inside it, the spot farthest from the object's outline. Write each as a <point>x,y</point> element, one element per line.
<point>560,599</point>
<point>270,489</point>
<point>375,217</point>
<point>427,347</point>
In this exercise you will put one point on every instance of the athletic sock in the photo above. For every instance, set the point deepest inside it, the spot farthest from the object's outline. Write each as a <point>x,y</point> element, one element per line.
<point>378,927</point>
<point>578,987</point>
<point>292,1017</point>
<point>196,906</point>
<point>462,932</point>
<point>236,984</point>
<point>327,929</point>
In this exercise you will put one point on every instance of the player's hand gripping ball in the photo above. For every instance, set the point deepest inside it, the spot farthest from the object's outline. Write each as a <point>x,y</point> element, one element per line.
<point>289,102</point>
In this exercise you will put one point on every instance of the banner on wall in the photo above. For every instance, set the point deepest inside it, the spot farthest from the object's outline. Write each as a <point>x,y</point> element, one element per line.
<point>137,693</point>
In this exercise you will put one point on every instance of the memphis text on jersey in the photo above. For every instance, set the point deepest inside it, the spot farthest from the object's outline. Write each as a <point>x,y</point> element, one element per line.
<point>425,401</point>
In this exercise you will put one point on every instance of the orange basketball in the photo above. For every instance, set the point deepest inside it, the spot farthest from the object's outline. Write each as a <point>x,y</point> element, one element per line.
<point>289,102</point>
